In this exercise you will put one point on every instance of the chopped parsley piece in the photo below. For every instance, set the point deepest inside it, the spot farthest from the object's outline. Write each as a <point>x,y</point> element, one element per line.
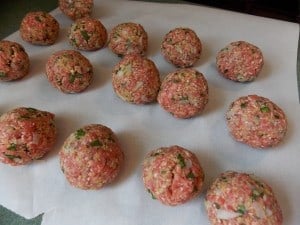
<point>74,76</point>
<point>217,205</point>
<point>12,147</point>
<point>224,49</point>
<point>241,209</point>
<point>169,40</point>
<point>37,18</point>
<point>256,193</point>
<point>190,175</point>
<point>155,154</point>
<point>264,108</point>
<point>111,138</point>
<point>153,197</point>
<point>243,105</point>
<point>181,160</point>
<point>163,172</point>
<point>73,40</point>
<point>12,157</point>
<point>2,74</point>
<point>96,143</point>
<point>31,109</point>
<point>184,98</point>
<point>25,116</point>
<point>85,35</point>
<point>79,133</point>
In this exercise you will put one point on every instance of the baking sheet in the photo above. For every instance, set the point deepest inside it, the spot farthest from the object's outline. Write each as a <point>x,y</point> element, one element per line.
<point>41,187</point>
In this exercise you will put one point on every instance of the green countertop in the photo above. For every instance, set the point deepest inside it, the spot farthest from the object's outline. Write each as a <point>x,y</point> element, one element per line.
<point>12,12</point>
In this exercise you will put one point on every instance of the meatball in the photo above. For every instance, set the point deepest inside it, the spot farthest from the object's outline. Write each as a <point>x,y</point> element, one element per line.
<point>173,175</point>
<point>184,93</point>
<point>135,79</point>
<point>87,34</point>
<point>39,28</point>
<point>91,157</point>
<point>69,71</point>
<point>238,198</point>
<point>76,9</point>
<point>256,121</point>
<point>240,61</point>
<point>181,47</point>
<point>128,38</point>
<point>26,134</point>
<point>14,61</point>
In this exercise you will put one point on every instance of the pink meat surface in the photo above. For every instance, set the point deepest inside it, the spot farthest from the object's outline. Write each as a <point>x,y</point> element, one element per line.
<point>69,71</point>
<point>184,93</point>
<point>256,121</point>
<point>91,157</point>
<point>14,61</point>
<point>240,61</point>
<point>136,79</point>
<point>25,134</point>
<point>128,38</point>
<point>239,198</point>
<point>173,175</point>
<point>181,47</point>
<point>87,34</point>
<point>39,28</point>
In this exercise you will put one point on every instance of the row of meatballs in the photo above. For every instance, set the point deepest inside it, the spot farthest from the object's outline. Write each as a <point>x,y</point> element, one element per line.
<point>239,61</point>
<point>92,157</point>
<point>27,133</point>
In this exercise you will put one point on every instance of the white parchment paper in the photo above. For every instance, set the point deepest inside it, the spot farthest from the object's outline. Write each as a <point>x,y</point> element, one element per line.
<point>41,187</point>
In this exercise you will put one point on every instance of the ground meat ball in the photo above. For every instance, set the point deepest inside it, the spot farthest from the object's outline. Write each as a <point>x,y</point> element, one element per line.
<point>39,28</point>
<point>91,157</point>
<point>173,175</point>
<point>184,93</point>
<point>14,61</point>
<point>181,47</point>
<point>69,71</point>
<point>128,38</point>
<point>76,9</point>
<point>256,121</point>
<point>25,134</point>
<point>239,198</point>
<point>87,34</point>
<point>135,79</point>
<point>240,61</point>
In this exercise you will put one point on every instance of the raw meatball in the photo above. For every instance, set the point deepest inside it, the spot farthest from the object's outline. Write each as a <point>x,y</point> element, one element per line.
<point>127,38</point>
<point>26,134</point>
<point>239,198</point>
<point>256,121</point>
<point>181,47</point>
<point>39,28</point>
<point>173,175</point>
<point>76,9</point>
<point>184,93</point>
<point>14,61</point>
<point>87,34</point>
<point>91,157</point>
<point>136,79</point>
<point>240,61</point>
<point>69,71</point>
